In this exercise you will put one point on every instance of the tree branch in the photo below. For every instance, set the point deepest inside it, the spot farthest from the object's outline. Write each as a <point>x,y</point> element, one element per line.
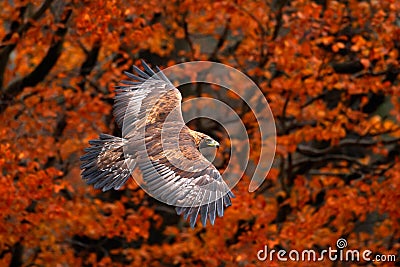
<point>5,50</point>
<point>221,41</point>
<point>91,60</point>
<point>41,70</point>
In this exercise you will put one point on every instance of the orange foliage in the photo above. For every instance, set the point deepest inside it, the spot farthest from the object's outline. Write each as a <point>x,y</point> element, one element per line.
<point>329,69</point>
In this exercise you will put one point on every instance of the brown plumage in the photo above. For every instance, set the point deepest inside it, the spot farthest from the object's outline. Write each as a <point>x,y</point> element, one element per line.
<point>156,139</point>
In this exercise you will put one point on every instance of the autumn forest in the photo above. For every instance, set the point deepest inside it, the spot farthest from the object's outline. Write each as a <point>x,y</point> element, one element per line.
<point>328,69</point>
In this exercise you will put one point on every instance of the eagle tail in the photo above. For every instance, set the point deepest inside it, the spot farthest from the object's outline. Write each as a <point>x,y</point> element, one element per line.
<point>104,165</point>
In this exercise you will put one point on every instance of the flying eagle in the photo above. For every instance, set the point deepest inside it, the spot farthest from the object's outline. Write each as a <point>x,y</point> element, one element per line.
<point>156,140</point>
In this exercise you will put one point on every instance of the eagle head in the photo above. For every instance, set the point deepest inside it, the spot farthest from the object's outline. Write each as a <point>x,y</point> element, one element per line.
<point>203,140</point>
<point>207,142</point>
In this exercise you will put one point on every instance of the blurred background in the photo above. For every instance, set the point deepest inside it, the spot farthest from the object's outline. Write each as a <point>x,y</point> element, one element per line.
<point>329,70</point>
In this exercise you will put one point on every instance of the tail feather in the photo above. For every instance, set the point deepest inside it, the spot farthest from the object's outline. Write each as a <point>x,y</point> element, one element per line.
<point>104,165</point>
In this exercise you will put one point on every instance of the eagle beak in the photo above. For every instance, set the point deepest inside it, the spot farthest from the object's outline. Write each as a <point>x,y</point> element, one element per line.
<point>213,143</point>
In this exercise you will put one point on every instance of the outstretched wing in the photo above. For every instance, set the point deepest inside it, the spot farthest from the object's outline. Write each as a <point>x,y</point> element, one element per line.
<point>174,171</point>
<point>134,98</point>
<point>183,177</point>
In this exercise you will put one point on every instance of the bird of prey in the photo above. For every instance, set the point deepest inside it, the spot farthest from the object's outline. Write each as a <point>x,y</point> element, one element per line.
<point>156,140</point>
